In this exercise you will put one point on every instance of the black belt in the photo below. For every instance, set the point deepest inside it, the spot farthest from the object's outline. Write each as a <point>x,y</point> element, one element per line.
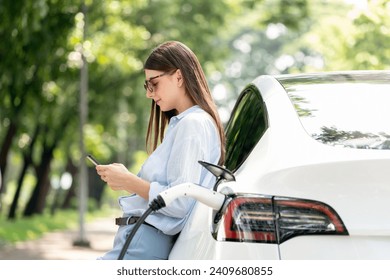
<point>123,221</point>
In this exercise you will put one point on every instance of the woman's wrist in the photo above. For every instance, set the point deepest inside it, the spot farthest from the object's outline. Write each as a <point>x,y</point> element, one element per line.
<point>135,184</point>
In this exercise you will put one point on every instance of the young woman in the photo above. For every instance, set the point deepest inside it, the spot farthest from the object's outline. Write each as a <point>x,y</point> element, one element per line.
<point>184,127</point>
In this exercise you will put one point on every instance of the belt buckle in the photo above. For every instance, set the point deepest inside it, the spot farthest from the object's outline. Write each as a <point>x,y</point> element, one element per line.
<point>122,221</point>
<point>118,221</point>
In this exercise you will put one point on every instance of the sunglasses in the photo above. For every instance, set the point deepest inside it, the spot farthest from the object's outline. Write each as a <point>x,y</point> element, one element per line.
<point>148,85</point>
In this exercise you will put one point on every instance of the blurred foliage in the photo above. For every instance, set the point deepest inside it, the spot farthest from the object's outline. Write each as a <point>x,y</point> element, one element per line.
<point>32,228</point>
<point>29,229</point>
<point>235,40</point>
<point>340,37</point>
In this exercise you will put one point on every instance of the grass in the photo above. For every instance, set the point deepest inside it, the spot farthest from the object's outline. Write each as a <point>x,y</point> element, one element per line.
<point>24,229</point>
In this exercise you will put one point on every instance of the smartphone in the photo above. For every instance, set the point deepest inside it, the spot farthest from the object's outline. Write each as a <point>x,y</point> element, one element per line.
<point>93,160</point>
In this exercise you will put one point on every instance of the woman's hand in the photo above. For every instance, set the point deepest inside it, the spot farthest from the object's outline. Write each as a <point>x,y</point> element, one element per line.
<point>115,175</point>
<point>118,177</point>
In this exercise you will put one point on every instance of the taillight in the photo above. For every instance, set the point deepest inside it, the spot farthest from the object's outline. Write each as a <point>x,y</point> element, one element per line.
<point>276,219</point>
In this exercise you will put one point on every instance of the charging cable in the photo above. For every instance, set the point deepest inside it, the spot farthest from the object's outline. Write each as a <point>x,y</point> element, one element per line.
<point>210,198</point>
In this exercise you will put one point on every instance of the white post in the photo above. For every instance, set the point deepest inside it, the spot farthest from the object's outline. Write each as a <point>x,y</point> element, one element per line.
<point>83,176</point>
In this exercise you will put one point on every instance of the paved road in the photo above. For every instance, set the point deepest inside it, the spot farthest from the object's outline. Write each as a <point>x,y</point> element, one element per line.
<point>59,245</point>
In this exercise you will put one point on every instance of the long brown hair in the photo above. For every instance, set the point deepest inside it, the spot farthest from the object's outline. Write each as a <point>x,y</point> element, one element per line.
<point>168,57</point>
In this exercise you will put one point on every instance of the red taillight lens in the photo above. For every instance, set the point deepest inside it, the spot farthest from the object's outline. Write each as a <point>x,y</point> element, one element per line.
<point>277,219</point>
<point>250,219</point>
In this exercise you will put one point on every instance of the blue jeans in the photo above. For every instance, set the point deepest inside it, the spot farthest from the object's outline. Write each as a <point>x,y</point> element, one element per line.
<point>148,243</point>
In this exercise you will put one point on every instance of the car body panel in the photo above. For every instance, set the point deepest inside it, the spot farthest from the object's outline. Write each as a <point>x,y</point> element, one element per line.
<point>197,242</point>
<point>362,247</point>
<point>288,162</point>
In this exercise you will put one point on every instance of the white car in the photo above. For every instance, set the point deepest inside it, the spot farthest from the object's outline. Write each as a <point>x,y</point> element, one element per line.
<point>310,154</point>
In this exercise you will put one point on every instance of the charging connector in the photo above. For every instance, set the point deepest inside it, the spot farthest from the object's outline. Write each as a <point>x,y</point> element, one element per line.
<point>210,198</point>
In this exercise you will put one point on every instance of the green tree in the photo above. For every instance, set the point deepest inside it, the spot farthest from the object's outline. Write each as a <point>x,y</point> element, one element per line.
<point>343,37</point>
<point>35,33</point>
<point>40,73</point>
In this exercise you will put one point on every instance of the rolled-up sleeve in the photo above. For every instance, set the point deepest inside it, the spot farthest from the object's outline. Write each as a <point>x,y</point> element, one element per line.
<point>182,167</point>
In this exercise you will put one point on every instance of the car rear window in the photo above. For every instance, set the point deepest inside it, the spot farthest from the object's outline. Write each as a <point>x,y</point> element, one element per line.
<point>344,110</point>
<point>246,125</point>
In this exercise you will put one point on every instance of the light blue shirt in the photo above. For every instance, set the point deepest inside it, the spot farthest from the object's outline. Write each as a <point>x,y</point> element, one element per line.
<point>191,136</point>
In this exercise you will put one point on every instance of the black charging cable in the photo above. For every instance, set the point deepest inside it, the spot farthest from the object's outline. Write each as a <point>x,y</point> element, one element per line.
<point>155,205</point>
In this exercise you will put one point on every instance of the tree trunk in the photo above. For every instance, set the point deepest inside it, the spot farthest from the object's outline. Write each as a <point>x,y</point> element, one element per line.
<point>5,148</point>
<point>27,162</point>
<point>72,169</point>
<point>37,200</point>
<point>14,205</point>
<point>17,107</point>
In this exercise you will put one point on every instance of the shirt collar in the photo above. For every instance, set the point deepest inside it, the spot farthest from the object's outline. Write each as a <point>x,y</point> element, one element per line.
<point>186,112</point>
